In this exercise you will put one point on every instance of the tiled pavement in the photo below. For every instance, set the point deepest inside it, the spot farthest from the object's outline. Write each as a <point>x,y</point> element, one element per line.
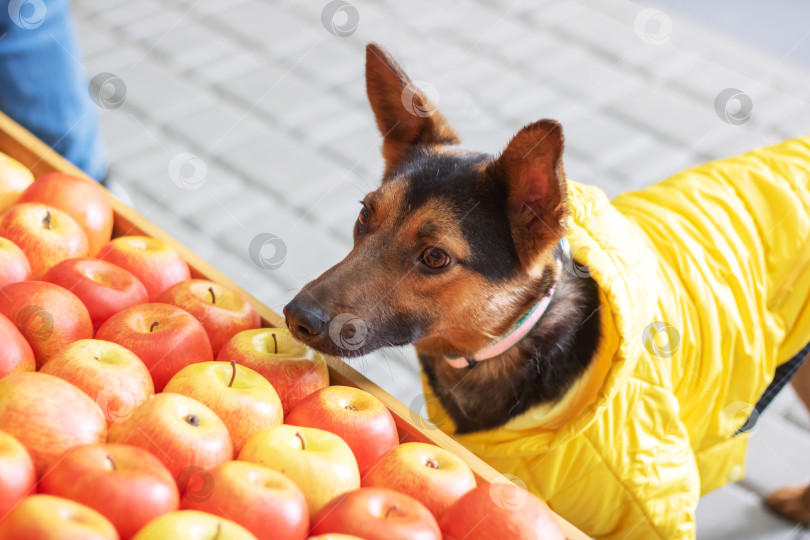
<point>274,107</point>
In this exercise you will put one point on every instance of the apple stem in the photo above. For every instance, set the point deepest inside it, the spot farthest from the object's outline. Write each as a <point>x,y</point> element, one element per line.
<point>233,375</point>
<point>213,296</point>
<point>275,344</point>
<point>219,530</point>
<point>112,462</point>
<point>97,359</point>
<point>301,438</point>
<point>392,509</point>
<point>350,407</point>
<point>46,221</point>
<point>154,324</point>
<point>432,463</point>
<point>192,419</point>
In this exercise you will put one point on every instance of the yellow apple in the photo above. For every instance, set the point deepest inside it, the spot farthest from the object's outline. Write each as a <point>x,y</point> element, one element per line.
<point>14,178</point>
<point>242,398</point>
<point>55,518</point>
<point>192,525</point>
<point>319,462</point>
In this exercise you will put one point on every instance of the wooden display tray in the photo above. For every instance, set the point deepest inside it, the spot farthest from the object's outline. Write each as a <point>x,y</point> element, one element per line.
<point>23,146</point>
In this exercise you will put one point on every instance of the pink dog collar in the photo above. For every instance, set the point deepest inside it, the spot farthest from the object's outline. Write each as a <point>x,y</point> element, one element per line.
<point>523,327</point>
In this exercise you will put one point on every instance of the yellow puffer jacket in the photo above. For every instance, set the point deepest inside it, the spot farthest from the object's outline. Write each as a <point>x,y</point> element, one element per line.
<point>704,281</point>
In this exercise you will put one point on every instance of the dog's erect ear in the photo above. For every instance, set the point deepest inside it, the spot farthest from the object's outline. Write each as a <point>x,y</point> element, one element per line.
<point>537,200</point>
<point>404,114</point>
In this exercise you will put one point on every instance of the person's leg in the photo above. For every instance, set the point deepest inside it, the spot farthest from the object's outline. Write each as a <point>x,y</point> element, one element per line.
<point>43,85</point>
<point>793,503</point>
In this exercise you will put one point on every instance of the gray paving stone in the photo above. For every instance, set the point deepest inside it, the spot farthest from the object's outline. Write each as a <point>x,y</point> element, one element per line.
<point>219,128</point>
<point>224,70</point>
<point>126,12</point>
<point>777,456</point>
<point>190,44</point>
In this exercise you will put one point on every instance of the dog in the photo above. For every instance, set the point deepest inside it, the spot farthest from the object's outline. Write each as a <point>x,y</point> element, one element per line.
<point>612,355</point>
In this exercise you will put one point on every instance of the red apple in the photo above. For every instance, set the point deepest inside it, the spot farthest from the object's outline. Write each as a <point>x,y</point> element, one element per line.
<point>182,432</point>
<point>378,514</point>
<point>17,475</point>
<point>48,316</point>
<point>15,353</point>
<point>46,235</point>
<point>223,312</point>
<point>45,517</point>
<point>193,525</point>
<point>104,288</point>
<point>111,375</point>
<point>490,512</point>
<point>157,264</point>
<point>294,370</point>
<point>262,500</point>
<point>166,338</point>
<point>14,178</point>
<point>127,485</point>
<point>242,398</point>
<point>334,536</point>
<point>434,476</point>
<point>14,266</point>
<point>48,416</point>
<point>356,416</point>
<point>319,462</point>
<point>85,200</point>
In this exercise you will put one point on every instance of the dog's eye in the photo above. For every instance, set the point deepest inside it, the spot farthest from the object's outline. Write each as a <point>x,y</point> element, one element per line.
<point>363,217</point>
<point>435,258</point>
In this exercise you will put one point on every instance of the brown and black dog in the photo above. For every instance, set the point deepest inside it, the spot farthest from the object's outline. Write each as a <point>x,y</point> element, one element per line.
<point>449,254</point>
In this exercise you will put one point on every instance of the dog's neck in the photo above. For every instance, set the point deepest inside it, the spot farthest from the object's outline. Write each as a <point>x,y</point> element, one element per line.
<point>539,369</point>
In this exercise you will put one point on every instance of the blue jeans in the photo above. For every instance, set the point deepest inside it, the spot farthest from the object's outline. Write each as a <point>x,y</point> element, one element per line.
<point>42,81</point>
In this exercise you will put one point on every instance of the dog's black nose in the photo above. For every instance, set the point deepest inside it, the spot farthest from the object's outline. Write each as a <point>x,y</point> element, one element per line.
<point>305,318</point>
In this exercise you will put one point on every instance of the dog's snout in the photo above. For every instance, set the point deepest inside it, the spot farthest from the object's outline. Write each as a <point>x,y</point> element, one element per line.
<point>306,319</point>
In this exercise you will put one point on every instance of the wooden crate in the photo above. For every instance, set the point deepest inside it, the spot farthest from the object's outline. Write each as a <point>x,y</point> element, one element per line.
<point>20,144</point>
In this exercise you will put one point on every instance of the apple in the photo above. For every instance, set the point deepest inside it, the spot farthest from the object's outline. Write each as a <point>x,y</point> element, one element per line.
<point>223,312</point>
<point>111,375</point>
<point>193,525</point>
<point>86,201</point>
<point>17,475</point>
<point>126,484</point>
<point>166,338</point>
<point>46,235</point>
<point>262,500</point>
<point>14,266</point>
<point>15,353</point>
<point>319,462</point>
<point>487,512</point>
<point>54,518</point>
<point>14,178</point>
<point>379,514</point>
<point>47,315</point>
<point>179,430</point>
<point>157,264</point>
<point>356,416</point>
<point>104,288</point>
<point>294,370</point>
<point>242,398</point>
<point>48,416</point>
<point>432,475</point>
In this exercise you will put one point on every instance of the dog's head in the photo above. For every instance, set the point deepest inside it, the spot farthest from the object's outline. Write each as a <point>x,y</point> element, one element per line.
<point>452,247</point>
